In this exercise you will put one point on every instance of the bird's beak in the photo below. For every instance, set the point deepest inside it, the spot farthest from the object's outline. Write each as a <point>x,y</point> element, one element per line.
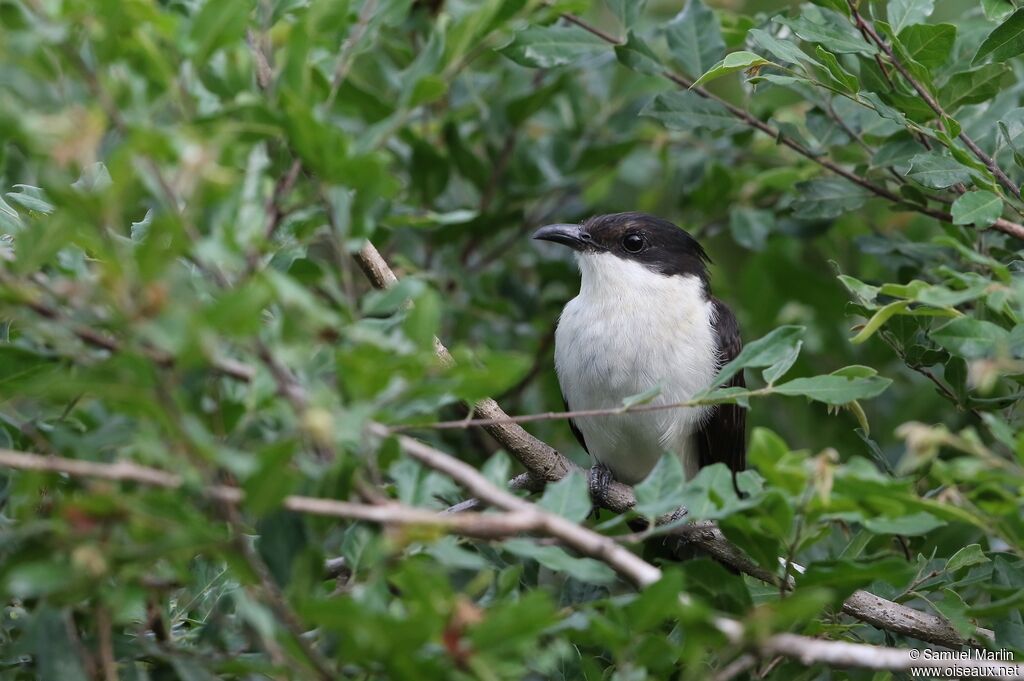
<point>567,235</point>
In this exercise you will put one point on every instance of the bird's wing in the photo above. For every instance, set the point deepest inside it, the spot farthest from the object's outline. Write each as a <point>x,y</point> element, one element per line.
<point>573,427</point>
<point>723,436</point>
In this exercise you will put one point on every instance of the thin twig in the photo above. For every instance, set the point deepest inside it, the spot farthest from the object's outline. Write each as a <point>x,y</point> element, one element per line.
<point>461,424</point>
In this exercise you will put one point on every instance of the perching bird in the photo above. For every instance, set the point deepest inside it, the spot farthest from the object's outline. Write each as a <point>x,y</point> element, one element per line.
<point>645,318</point>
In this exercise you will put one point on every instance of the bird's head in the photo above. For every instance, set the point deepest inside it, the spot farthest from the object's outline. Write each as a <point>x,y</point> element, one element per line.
<point>621,242</point>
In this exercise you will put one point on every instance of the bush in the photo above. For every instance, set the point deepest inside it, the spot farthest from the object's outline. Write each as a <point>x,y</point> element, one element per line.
<point>233,231</point>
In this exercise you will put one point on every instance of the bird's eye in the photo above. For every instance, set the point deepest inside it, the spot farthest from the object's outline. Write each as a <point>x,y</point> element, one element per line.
<point>634,243</point>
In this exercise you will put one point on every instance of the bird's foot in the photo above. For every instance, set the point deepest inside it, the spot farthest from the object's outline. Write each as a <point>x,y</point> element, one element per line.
<point>599,480</point>
<point>675,516</point>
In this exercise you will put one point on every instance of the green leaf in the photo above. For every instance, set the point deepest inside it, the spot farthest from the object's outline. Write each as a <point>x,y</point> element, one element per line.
<point>973,87</point>
<point>972,338</point>
<point>878,319</point>
<point>512,625</point>
<point>903,13</point>
<point>965,557</point>
<point>217,24</point>
<point>10,221</point>
<point>686,110</point>
<point>56,652</point>
<point>548,46</point>
<point>934,170</point>
<point>846,576</point>
<point>929,44</point>
<point>637,55</point>
<point>626,11</point>
<point>783,50</point>
<point>843,77</point>
<point>711,495</point>
<point>980,208</point>
<point>774,348</point>
<point>750,227</point>
<point>32,198</point>
<point>555,558</point>
<point>997,10</point>
<point>784,364</point>
<point>659,492</point>
<point>695,38</point>
<point>642,397</point>
<point>826,27</point>
<point>912,525</point>
<point>736,61</point>
<point>827,197</point>
<point>569,497</point>
<point>835,389</point>
<point>1005,41</point>
<point>863,293</point>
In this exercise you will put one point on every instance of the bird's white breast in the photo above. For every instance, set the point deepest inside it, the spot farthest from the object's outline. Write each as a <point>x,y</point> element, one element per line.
<point>628,330</point>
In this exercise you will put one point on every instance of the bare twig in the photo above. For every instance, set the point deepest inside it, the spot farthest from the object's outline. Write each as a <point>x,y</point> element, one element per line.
<point>479,525</point>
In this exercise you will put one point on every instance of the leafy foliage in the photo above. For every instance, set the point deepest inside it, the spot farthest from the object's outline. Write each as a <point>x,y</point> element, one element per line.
<point>183,186</point>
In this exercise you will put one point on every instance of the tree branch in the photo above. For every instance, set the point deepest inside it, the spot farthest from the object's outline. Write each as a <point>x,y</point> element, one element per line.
<point>641,574</point>
<point>478,525</point>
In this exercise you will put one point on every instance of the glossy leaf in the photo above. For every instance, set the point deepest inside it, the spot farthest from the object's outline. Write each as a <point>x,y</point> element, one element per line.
<point>903,13</point>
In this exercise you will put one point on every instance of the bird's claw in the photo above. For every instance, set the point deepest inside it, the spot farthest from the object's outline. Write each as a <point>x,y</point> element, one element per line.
<point>599,480</point>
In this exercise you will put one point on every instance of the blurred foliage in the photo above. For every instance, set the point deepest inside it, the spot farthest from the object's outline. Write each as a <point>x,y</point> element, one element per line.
<point>182,184</point>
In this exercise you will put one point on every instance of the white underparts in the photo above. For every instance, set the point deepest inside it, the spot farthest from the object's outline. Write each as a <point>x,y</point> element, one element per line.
<point>630,329</point>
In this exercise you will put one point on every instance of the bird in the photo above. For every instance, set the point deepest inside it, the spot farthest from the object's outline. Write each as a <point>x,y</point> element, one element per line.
<point>645,320</point>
